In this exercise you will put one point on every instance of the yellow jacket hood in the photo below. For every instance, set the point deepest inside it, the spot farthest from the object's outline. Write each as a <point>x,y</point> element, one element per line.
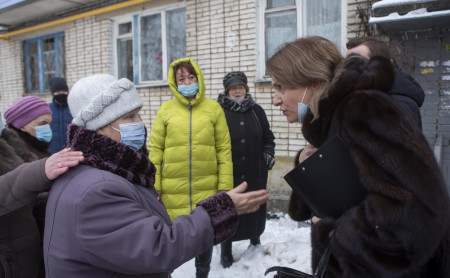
<point>173,84</point>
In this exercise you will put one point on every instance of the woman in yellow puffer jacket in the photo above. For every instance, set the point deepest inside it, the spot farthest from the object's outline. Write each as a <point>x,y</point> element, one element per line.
<point>190,147</point>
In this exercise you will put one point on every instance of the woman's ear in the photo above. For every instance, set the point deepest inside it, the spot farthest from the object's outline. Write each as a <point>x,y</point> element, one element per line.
<point>101,130</point>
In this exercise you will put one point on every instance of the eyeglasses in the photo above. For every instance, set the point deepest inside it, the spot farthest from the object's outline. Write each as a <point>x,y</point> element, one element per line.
<point>237,88</point>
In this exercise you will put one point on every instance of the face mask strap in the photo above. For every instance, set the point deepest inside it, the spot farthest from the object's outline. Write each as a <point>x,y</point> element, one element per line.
<point>304,94</point>
<point>114,128</point>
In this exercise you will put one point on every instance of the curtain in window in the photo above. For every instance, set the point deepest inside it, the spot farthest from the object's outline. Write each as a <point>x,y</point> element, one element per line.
<point>151,48</point>
<point>176,35</point>
<point>61,57</point>
<point>125,58</point>
<point>281,27</point>
<point>48,52</point>
<point>323,18</point>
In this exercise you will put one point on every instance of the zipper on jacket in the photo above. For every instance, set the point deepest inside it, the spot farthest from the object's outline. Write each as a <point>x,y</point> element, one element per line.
<point>190,155</point>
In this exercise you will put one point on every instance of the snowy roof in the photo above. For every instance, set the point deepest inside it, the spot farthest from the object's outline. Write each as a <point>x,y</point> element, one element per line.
<point>420,13</point>
<point>387,3</point>
<point>410,15</point>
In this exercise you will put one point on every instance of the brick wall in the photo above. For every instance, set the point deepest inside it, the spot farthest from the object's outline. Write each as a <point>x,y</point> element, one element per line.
<point>88,48</point>
<point>11,81</point>
<point>358,13</point>
<point>221,37</point>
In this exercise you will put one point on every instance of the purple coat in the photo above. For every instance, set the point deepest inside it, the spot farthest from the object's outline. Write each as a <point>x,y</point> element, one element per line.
<point>99,224</point>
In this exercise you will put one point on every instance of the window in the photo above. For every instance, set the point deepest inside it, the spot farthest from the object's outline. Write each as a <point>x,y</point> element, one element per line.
<point>44,58</point>
<point>146,44</point>
<point>282,21</point>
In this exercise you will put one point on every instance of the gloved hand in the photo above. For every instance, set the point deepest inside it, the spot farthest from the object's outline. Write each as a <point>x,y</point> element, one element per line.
<point>269,160</point>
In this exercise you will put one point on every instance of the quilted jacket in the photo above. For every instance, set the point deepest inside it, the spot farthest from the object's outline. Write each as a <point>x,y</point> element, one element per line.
<point>190,147</point>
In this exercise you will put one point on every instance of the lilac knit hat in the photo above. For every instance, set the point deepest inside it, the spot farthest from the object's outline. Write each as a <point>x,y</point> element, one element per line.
<point>25,110</point>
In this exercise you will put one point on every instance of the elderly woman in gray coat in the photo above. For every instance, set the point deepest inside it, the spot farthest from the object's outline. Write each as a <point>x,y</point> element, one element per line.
<point>103,217</point>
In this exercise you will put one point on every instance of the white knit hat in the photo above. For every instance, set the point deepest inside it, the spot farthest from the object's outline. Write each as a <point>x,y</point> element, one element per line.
<point>98,100</point>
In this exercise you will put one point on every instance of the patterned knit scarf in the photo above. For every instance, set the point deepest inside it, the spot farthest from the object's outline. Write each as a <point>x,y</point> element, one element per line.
<point>106,154</point>
<point>230,105</point>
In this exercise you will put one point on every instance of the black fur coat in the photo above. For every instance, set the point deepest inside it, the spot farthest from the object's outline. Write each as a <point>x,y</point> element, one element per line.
<point>401,229</point>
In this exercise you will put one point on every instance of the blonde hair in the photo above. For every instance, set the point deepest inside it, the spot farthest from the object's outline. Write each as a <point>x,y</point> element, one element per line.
<point>309,62</point>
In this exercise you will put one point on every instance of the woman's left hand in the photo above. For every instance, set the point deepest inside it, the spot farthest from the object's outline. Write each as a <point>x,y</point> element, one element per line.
<point>247,202</point>
<point>315,219</point>
<point>59,163</point>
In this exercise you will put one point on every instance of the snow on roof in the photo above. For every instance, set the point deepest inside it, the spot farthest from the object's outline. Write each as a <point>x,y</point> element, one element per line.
<point>420,13</point>
<point>387,3</point>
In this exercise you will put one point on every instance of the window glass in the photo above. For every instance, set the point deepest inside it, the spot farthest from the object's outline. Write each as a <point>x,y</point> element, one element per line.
<point>280,21</point>
<point>61,55</point>
<point>49,61</point>
<point>324,19</point>
<point>279,3</point>
<point>161,40</point>
<point>44,58</point>
<point>281,27</point>
<point>151,48</point>
<point>176,35</point>
<point>33,58</point>
<point>125,28</point>
<point>125,58</point>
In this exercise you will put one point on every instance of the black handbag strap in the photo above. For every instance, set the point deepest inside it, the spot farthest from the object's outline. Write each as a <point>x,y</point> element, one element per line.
<point>286,272</point>
<point>323,263</point>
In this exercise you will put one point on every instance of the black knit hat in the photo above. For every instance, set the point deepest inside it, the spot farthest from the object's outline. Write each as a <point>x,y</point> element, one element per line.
<point>58,84</point>
<point>234,78</point>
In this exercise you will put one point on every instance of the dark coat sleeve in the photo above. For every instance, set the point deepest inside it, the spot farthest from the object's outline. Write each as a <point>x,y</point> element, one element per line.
<point>297,208</point>
<point>397,229</point>
<point>20,186</point>
<point>268,137</point>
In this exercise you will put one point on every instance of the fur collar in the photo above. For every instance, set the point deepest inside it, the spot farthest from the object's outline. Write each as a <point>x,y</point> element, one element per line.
<point>106,154</point>
<point>13,151</point>
<point>13,142</point>
<point>230,105</point>
<point>359,75</point>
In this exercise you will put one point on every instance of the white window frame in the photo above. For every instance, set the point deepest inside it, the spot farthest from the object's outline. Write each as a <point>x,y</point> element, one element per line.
<point>135,18</point>
<point>260,35</point>
<point>116,36</point>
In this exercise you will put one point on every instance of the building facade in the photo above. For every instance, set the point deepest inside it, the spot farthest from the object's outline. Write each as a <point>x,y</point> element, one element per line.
<point>138,40</point>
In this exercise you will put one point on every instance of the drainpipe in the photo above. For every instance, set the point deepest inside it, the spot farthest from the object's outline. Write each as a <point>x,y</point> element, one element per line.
<point>103,10</point>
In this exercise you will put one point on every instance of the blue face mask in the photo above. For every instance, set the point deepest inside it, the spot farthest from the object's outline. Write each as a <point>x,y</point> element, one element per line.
<point>43,133</point>
<point>188,90</point>
<point>133,134</point>
<point>302,108</point>
<point>2,125</point>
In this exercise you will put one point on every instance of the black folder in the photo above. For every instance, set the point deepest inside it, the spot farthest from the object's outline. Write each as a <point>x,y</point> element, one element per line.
<point>328,181</point>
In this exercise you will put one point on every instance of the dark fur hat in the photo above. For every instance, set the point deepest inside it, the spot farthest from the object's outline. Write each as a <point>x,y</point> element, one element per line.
<point>234,78</point>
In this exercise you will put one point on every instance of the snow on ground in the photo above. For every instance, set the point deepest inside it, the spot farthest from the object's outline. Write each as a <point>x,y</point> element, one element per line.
<point>282,243</point>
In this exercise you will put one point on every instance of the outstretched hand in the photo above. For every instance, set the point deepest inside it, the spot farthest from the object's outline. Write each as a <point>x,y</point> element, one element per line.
<point>60,162</point>
<point>247,202</point>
